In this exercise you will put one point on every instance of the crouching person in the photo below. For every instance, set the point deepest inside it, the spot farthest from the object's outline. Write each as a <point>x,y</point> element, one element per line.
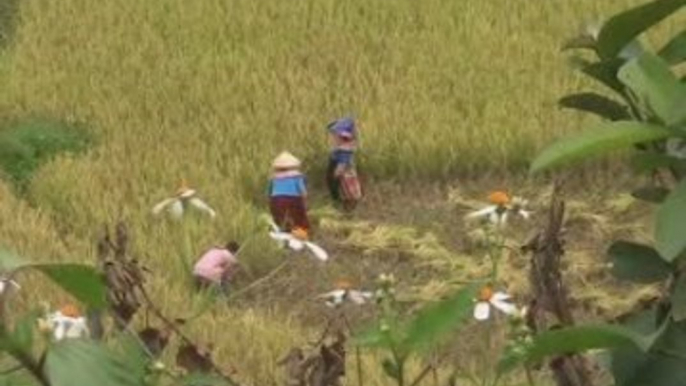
<point>216,268</point>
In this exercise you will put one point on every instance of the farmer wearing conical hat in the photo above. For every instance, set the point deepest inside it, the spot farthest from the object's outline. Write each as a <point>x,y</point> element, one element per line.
<point>341,176</point>
<point>287,194</point>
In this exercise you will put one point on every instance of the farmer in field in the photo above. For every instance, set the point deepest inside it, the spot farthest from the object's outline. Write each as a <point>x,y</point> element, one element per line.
<point>217,267</point>
<point>287,194</point>
<point>341,176</point>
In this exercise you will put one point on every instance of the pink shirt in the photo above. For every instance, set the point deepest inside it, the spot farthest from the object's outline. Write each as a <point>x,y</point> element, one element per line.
<point>215,263</point>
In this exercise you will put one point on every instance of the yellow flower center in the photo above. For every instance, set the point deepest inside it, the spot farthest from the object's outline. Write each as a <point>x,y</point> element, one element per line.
<point>70,310</point>
<point>299,233</point>
<point>485,294</point>
<point>499,198</point>
<point>343,284</point>
<point>183,187</point>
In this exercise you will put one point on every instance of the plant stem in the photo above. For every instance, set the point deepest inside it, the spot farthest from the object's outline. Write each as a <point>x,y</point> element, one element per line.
<point>187,252</point>
<point>529,376</point>
<point>31,366</point>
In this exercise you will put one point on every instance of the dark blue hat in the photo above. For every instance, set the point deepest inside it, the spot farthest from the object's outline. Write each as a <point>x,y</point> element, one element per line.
<point>344,127</point>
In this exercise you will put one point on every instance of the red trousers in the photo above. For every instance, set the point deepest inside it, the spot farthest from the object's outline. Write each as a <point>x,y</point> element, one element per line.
<point>289,212</point>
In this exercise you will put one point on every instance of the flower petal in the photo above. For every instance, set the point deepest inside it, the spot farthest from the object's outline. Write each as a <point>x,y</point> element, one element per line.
<point>159,207</point>
<point>359,297</point>
<point>487,211</point>
<point>503,219</point>
<point>318,251</point>
<point>202,206</point>
<point>280,236</point>
<point>176,209</point>
<point>482,311</point>
<point>337,293</point>
<point>504,306</point>
<point>500,296</point>
<point>334,298</point>
<point>295,244</point>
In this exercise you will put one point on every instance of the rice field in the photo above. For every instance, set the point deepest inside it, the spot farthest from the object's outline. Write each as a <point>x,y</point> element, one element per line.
<point>212,90</point>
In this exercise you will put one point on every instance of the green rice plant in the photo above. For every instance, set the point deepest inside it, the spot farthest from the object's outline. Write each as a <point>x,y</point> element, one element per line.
<point>28,144</point>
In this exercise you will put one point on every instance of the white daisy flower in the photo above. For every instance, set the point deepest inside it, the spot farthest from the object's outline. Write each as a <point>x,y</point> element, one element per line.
<point>66,323</point>
<point>6,283</point>
<point>344,293</point>
<point>502,207</point>
<point>295,243</point>
<point>498,300</point>
<point>184,199</point>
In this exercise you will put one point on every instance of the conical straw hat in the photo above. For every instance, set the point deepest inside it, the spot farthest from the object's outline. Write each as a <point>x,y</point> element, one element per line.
<point>286,160</point>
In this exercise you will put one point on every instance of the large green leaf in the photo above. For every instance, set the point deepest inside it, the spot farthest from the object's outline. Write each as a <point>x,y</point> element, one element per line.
<point>373,337</point>
<point>678,300</point>
<point>76,362</point>
<point>596,104</point>
<point>82,281</point>
<point>604,72</point>
<point>674,52</point>
<point>657,87</point>
<point>664,365</point>
<point>648,162</point>
<point>670,234</point>
<point>637,262</point>
<point>622,28</point>
<point>10,261</point>
<point>599,140</point>
<point>434,321</point>
<point>631,367</point>
<point>572,340</point>
<point>22,336</point>
<point>653,194</point>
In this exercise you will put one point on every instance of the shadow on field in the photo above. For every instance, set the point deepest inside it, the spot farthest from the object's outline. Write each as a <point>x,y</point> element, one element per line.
<point>9,13</point>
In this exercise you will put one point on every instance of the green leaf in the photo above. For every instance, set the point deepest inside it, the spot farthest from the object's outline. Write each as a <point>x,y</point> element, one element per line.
<point>9,261</point>
<point>605,72</point>
<point>82,281</point>
<point>622,28</point>
<point>670,236</point>
<point>600,140</point>
<point>637,262</point>
<point>656,86</point>
<point>583,41</point>
<point>596,104</point>
<point>678,300</point>
<point>663,365</point>
<point>572,340</point>
<point>132,355</point>
<point>435,320</point>
<point>373,337</point>
<point>652,194</point>
<point>22,336</point>
<point>648,162</point>
<point>631,367</point>
<point>674,52</point>
<point>74,362</point>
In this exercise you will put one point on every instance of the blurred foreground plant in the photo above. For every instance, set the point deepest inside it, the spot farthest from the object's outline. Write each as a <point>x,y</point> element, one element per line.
<point>648,347</point>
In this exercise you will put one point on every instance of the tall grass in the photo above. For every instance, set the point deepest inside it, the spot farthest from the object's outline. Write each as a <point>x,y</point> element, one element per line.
<point>211,90</point>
